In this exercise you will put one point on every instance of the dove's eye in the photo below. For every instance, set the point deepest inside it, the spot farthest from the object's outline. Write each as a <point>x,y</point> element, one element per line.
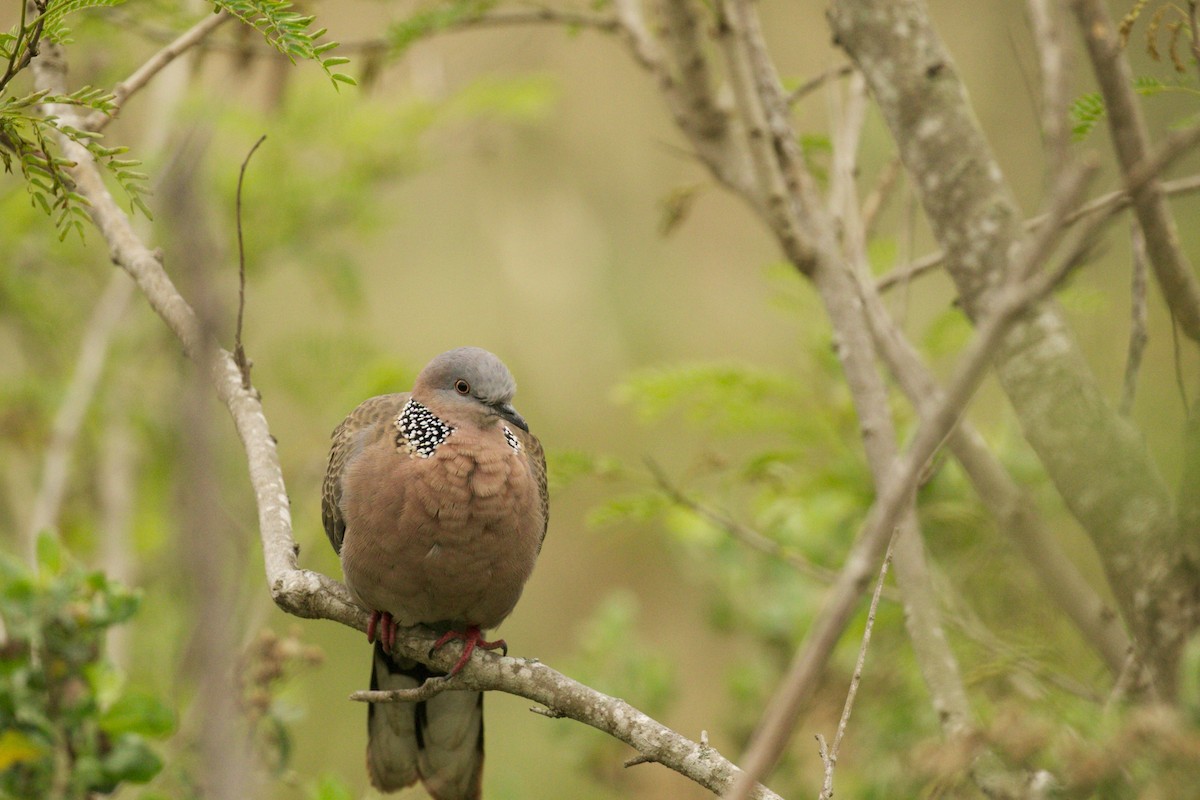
<point>462,387</point>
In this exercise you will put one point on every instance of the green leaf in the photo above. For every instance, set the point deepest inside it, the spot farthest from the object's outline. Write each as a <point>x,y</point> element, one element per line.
<point>131,759</point>
<point>1147,85</point>
<point>286,31</point>
<point>1087,111</point>
<point>138,712</point>
<point>724,397</point>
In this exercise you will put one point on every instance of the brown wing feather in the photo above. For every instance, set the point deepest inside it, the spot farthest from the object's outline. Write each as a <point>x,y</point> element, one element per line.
<point>364,423</point>
<point>537,464</point>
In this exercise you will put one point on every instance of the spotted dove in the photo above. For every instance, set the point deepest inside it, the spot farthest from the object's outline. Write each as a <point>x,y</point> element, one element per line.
<point>436,502</point>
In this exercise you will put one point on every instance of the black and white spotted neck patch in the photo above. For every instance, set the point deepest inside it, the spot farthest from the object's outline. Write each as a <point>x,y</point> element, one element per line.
<point>512,440</point>
<point>420,430</point>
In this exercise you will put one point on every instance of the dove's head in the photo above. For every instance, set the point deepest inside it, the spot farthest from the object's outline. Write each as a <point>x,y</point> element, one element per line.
<point>469,381</point>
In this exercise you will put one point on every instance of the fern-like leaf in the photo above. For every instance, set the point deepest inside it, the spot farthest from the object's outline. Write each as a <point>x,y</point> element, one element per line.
<point>1086,111</point>
<point>57,10</point>
<point>27,142</point>
<point>288,32</point>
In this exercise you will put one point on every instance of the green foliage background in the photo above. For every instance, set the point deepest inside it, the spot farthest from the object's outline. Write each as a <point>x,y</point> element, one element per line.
<point>510,188</point>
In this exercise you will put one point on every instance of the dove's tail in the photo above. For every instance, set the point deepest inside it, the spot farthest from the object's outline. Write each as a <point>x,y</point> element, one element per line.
<point>439,740</point>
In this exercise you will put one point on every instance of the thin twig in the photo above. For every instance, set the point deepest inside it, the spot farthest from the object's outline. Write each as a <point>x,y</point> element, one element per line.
<point>25,47</point>
<point>848,110</point>
<point>98,120</point>
<point>830,757</point>
<point>1177,352</point>
<point>1137,319</point>
<point>814,83</point>
<point>875,200</point>
<point>431,687</point>
<point>895,495</point>
<point>239,352</point>
<point>642,44</point>
<point>1127,679</point>
<point>1016,516</point>
<point>542,15</point>
<point>780,183</point>
<point>743,532</point>
<point>1109,204</point>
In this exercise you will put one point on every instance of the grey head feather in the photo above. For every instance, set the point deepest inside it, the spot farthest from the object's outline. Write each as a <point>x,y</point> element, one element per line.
<point>471,374</point>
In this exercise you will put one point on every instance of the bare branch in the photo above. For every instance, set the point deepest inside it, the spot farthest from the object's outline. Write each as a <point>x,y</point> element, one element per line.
<point>830,756</point>
<point>814,83</point>
<point>1131,140</point>
<point>563,697</point>
<point>81,389</point>
<point>1108,204</point>
<point>98,120</point>
<point>641,42</point>
<point>1137,319</point>
<point>895,496</point>
<point>1096,459</point>
<point>431,687</point>
<point>744,533</point>
<point>688,99</point>
<point>681,34</point>
<point>923,618</point>
<point>1056,87</point>
<point>239,352</point>
<point>1014,511</point>
<point>874,202</point>
<point>782,186</point>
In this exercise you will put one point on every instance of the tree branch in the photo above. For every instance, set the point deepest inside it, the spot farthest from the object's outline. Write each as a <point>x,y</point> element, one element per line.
<point>688,99</point>
<point>830,755</point>
<point>1131,140</point>
<point>706,120</point>
<point>1107,204</point>
<point>81,389</point>
<point>743,533</point>
<point>1047,35</point>
<point>895,496</point>
<point>816,82</point>
<point>1096,459</point>
<point>566,698</point>
<point>1013,509</point>
<point>782,191</point>
<point>1137,318</point>
<point>98,120</point>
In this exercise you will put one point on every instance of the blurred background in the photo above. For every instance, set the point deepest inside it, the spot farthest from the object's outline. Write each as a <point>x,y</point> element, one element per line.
<point>522,189</point>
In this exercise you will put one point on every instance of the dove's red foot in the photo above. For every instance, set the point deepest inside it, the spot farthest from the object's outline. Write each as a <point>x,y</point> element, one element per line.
<point>471,638</point>
<point>386,626</point>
